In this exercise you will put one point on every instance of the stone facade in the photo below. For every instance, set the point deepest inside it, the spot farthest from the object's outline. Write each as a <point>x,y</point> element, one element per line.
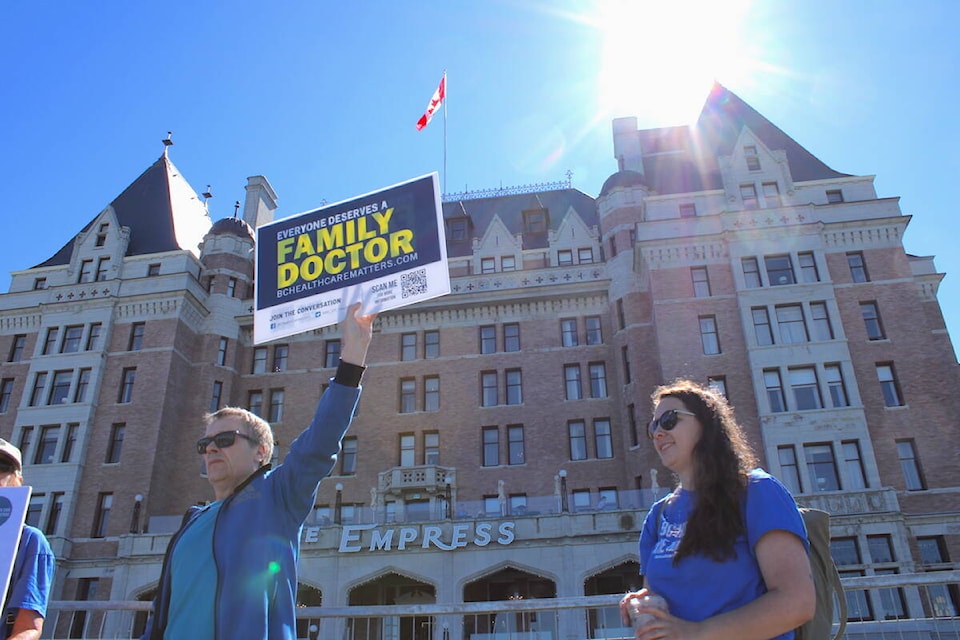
<point>740,259</point>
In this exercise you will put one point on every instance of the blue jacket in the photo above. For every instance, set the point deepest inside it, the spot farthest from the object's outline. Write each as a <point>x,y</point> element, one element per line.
<point>256,538</point>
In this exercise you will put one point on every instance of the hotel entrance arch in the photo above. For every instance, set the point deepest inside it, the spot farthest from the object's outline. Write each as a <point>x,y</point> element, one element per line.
<point>396,589</point>
<point>508,583</point>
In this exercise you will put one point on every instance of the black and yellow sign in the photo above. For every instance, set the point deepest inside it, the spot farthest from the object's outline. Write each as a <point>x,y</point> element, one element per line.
<point>385,248</point>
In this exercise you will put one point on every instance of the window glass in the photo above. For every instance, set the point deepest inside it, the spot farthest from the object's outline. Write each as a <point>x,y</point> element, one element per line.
<point>701,284</point>
<point>511,337</point>
<point>751,273</point>
<point>789,470</point>
<point>888,385</point>
<point>858,268</point>
<point>774,387</point>
<point>821,467</point>
<point>748,193</point>
<point>853,466</point>
<point>571,376</point>
<point>408,346</point>
<point>803,383</point>
<point>491,446</point>
<point>568,332</point>
<point>431,344</point>
<point>488,339</point>
<point>514,380</point>
<point>709,338</point>
<point>603,438</point>
<point>808,267</point>
<point>761,326</point>
<point>594,330</point>
<point>871,320</point>
<point>407,450</point>
<point>578,439</point>
<point>488,389</point>
<point>836,386</point>
<point>408,395</point>
<point>598,380</point>
<point>515,446</point>
<point>821,321</point>
<point>779,270</point>
<point>790,323</point>
<point>431,393</point>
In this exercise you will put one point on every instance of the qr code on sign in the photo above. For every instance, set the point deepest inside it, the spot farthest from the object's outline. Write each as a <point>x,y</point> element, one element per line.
<point>413,283</point>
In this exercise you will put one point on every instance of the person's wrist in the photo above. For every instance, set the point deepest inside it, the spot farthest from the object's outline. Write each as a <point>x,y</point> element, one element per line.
<point>348,373</point>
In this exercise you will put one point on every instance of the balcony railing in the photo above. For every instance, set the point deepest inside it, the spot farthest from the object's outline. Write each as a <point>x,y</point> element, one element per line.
<point>430,481</point>
<point>885,607</point>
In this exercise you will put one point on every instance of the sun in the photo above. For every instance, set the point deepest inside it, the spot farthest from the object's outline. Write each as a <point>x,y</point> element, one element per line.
<point>659,58</point>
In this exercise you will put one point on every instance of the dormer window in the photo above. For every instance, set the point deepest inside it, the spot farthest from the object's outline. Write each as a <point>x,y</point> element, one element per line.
<point>748,193</point>
<point>102,266</point>
<point>535,221</point>
<point>753,160</point>
<point>86,271</point>
<point>458,229</point>
<point>834,196</point>
<point>564,258</point>
<point>771,194</point>
<point>102,234</point>
<point>688,210</point>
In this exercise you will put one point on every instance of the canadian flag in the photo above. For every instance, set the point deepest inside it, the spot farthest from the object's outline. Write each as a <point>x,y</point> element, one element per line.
<point>435,101</point>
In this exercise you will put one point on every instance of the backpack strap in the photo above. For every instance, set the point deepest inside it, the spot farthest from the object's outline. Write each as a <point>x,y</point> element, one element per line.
<point>842,599</point>
<point>817,523</point>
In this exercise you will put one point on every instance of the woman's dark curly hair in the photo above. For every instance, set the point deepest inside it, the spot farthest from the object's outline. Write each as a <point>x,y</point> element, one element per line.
<point>722,458</point>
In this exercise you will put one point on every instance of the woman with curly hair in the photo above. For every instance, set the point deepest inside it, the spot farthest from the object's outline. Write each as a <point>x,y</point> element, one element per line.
<point>727,548</point>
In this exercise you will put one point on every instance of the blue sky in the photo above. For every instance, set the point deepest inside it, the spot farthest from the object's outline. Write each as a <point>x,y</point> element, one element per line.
<point>321,97</point>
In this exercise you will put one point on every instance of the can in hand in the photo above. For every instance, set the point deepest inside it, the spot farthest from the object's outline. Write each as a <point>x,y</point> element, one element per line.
<point>648,601</point>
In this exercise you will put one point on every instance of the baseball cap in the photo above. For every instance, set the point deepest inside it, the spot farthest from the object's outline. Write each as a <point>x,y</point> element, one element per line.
<point>10,452</point>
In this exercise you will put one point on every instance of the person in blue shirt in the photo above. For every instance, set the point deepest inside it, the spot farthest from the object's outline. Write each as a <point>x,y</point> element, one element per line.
<point>230,572</point>
<point>32,577</point>
<point>727,549</point>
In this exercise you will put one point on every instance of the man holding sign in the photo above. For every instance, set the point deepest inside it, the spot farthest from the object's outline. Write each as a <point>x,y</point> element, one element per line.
<point>231,570</point>
<point>32,578</point>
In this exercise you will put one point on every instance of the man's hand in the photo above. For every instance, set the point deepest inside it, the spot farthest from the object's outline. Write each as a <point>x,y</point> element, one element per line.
<point>357,332</point>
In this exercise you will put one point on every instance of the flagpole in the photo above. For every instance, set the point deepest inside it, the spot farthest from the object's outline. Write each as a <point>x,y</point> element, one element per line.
<point>445,131</point>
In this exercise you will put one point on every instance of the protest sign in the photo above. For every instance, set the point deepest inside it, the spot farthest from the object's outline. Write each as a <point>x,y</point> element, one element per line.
<point>385,248</point>
<point>13,511</point>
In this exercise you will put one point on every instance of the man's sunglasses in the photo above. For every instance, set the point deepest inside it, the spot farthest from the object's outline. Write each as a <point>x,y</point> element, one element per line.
<point>667,421</point>
<point>223,440</point>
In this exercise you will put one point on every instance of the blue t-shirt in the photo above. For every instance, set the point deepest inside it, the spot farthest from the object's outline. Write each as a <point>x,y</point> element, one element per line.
<point>700,587</point>
<point>194,579</point>
<point>32,576</point>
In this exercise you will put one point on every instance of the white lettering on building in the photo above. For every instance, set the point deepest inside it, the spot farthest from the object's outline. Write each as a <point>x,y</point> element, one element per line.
<point>353,539</point>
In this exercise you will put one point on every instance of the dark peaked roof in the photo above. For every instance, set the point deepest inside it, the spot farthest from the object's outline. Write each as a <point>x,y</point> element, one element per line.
<point>510,209</point>
<point>725,114</point>
<point>152,207</point>
<point>684,159</point>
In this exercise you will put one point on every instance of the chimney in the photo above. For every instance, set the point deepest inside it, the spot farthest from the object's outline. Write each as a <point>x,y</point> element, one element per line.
<point>626,145</point>
<point>260,202</point>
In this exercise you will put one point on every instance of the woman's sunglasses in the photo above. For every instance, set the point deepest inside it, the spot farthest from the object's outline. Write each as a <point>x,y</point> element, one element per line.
<point>667,421</point>
<point>223,440</point>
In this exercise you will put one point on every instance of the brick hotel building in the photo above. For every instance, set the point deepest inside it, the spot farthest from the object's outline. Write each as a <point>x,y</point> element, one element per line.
<point>499,449</point>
